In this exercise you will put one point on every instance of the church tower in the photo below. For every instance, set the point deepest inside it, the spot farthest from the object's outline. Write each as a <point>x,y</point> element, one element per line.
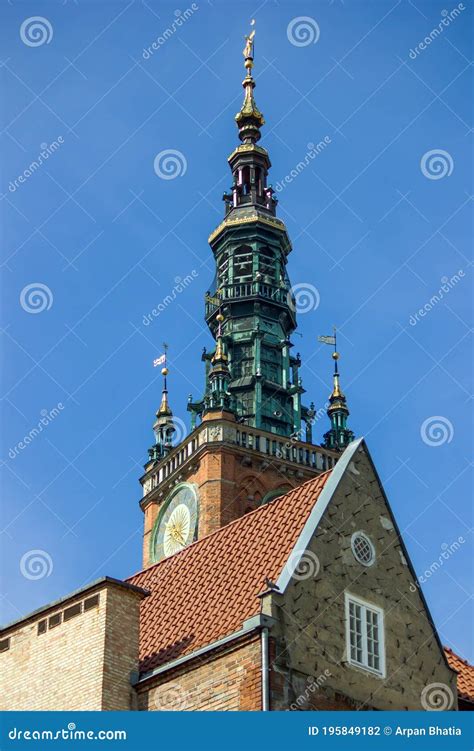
<point>251,435</point>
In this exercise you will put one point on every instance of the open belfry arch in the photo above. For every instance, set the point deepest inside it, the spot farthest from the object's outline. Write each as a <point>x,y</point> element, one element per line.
<point>274,574</point>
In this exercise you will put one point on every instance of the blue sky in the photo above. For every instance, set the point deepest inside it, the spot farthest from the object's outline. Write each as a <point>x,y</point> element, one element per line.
<point>376,225</point>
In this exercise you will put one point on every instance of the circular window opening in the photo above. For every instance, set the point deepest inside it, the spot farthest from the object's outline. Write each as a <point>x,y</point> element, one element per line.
<point>362,548</point>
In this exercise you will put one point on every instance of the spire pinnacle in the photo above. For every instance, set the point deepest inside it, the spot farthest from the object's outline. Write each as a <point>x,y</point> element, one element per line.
<point>219,355</point>
<point>249,119</point>
<point>336,392</point>
<point>163,427</point>
<point>339,436</point>
<point>164,409</point>
<point>219,375</point>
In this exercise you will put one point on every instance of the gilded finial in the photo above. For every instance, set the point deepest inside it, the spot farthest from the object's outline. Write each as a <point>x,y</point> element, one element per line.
<point>339,436</point>
<point>164,408</point>
<point>249,119</point>
<point>248,49</point>
<point>219,355</point>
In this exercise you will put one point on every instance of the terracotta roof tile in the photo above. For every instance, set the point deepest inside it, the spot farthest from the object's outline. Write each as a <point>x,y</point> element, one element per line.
<point>207,590</point>
<point>465,673</point>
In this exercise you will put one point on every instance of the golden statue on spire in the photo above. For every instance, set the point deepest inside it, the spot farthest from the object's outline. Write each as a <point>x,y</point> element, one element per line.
<point>248,49</point>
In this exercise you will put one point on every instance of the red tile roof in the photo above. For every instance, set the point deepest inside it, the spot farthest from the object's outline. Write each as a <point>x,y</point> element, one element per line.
<point>207,590</point>
<point>465,673</point>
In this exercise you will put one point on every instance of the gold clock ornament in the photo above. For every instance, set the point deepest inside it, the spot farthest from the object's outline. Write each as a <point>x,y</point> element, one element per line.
<point>176,525</point>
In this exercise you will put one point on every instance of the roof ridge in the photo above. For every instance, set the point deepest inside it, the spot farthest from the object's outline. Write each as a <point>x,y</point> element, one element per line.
<point>249,514</point>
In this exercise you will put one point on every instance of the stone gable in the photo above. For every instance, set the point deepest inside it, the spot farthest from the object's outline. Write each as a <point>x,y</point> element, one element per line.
<point>310,640</point>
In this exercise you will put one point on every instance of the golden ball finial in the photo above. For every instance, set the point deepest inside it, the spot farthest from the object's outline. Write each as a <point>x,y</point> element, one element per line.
<point>335,355</point>
<point>220,317</point>
<point>164,371</point>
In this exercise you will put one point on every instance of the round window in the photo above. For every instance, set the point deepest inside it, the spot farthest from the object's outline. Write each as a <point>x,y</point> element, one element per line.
<point>362,548</point>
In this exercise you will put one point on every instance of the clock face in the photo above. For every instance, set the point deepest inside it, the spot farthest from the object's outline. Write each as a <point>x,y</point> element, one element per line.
<point>176,525</point>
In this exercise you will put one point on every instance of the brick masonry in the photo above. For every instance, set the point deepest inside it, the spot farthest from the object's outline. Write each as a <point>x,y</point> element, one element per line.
<point>223,681</point>
<point>86,662</point>
<point>230,483</point>
<point>81,664</point>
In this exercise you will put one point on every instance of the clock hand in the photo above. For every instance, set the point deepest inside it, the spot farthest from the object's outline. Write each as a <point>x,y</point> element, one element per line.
<point>179,537</point>
<point>176,535</point>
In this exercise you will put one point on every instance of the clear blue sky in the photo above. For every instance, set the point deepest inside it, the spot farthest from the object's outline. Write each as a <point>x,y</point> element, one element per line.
<point>108,237</point>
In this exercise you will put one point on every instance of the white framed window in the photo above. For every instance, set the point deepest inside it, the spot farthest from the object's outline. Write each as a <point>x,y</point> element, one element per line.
<point>365,635</point>
<point>362,549</point>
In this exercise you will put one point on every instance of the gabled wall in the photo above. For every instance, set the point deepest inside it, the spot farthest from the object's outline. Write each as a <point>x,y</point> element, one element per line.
<point>310,668</point>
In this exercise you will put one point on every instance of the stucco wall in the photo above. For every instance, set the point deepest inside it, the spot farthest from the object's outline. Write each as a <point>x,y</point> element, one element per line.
<point>310,668</point>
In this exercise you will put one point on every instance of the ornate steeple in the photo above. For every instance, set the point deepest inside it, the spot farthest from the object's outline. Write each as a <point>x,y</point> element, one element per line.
<point>251,432</point>
<point>252,290</point>
<point>163,427</point>
<point>339,436</point>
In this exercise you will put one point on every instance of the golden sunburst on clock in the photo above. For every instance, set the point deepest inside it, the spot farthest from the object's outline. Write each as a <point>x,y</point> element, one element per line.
<point>176,525</point>
<point>176,531</point>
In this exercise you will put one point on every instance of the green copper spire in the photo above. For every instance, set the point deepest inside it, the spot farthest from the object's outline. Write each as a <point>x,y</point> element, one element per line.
<point>252,372</point>
<point>218,396</point>
<point>163,427</point>
<point>339,436</point>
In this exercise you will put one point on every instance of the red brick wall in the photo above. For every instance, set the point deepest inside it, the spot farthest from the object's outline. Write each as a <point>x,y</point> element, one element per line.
<point>225,681</point>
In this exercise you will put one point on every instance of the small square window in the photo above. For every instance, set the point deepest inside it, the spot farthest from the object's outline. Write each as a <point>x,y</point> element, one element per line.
<point>55,620</point>
<point>91,602</point>
<point>365,635</point>
<point>42,627</point>
<point>4,645</point>
<point>72,611</point>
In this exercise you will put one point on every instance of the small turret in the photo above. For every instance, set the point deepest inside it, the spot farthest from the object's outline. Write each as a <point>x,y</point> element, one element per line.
<point>218,397</point>
<point>339,436</point>
<point>163,427</point>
